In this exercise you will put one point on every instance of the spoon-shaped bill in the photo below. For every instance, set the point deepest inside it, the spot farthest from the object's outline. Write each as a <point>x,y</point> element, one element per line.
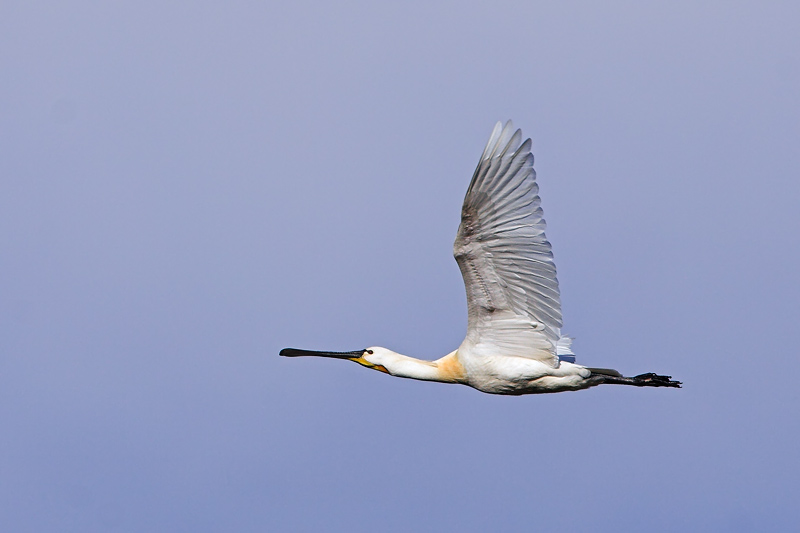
<point>295,352</point>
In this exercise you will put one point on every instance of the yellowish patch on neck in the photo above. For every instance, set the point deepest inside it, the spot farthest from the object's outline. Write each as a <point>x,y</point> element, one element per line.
<point>450,368</point>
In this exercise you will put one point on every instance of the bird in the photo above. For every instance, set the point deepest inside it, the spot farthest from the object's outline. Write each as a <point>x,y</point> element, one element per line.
<point>513,344</point>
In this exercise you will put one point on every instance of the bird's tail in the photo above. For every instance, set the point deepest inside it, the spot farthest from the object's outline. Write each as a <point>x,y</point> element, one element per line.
<point>564,349</point>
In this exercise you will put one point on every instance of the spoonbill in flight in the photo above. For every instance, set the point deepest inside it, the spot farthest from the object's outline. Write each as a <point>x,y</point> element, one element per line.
<point>514,343</point>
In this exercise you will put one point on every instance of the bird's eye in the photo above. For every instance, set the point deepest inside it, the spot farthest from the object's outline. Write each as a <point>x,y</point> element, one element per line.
<point>370,352</point>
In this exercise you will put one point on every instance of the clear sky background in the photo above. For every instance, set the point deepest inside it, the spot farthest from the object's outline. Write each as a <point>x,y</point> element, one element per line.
<point>186,189</point>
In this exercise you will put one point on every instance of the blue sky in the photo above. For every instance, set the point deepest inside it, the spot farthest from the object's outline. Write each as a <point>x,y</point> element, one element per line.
<point>186,189</point>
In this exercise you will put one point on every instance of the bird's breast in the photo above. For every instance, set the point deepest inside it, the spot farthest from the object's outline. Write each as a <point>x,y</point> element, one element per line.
<point>450,368</point>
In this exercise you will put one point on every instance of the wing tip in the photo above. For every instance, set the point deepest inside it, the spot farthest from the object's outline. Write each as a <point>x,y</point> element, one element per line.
<point>506,139</point>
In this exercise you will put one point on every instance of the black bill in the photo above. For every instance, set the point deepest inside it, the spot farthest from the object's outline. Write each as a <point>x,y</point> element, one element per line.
<point>294,352</point>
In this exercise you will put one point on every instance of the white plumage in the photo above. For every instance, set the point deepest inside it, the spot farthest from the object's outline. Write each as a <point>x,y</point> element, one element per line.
<point>513,343</point>
<point>507,263</point>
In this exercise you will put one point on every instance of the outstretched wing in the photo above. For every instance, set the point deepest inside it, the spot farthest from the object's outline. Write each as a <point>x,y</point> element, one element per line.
<point>504,256</point>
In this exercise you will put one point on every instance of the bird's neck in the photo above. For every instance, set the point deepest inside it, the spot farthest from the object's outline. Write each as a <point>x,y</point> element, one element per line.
<point>448,369</point>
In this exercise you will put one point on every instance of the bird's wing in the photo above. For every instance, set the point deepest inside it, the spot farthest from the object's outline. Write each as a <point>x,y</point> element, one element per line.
<point>504,256</point>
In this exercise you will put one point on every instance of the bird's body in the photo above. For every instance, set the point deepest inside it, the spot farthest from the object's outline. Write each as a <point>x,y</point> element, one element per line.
<point>513,343</point>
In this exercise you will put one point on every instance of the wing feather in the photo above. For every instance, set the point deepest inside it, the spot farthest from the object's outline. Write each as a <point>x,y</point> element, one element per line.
<point>506,261</point>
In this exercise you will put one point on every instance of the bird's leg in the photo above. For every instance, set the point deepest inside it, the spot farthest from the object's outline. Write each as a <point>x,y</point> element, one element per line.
<point>642,380</point>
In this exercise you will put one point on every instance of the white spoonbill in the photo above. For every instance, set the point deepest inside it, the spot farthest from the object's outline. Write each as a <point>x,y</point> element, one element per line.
<point>514,343</point>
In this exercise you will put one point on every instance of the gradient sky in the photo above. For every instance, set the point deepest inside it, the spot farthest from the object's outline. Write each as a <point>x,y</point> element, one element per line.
<point>186,189</point>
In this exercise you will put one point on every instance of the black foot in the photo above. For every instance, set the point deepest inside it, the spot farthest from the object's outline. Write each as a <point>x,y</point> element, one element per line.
<point>643,380</point>
<point>652,379</point>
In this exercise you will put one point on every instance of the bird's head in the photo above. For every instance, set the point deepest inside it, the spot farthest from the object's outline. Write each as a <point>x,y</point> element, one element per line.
<point>372,357</point>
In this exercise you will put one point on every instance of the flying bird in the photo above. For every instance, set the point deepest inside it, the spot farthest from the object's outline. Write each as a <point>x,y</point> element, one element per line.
<point>514,343</point>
